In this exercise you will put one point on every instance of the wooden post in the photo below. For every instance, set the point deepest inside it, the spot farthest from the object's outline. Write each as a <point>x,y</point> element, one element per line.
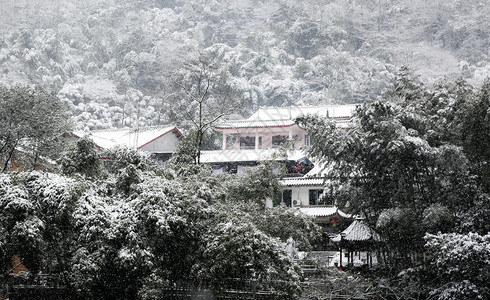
<point>340,257</point>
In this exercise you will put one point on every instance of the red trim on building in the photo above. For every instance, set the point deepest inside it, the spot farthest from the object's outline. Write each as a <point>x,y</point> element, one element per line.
<point>173,130</point>
<point>251,127</point>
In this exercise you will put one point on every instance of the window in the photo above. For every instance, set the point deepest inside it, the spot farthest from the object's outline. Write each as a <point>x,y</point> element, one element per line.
<point>247,142</point>
<point>230,141</point>
<point>286,197</point>
<point>276,200</point>
<point>260,142</point>
<point>278,140</point>
<point>282,197</point>
<point>315,196</point>
<point>308,140</point>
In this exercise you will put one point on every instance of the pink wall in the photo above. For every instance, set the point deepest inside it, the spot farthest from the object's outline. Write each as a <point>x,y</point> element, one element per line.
<point>266,133</point>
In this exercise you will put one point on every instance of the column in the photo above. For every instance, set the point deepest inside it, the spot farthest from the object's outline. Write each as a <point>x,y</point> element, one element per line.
<point>256,139</point>
<point>224,140</point>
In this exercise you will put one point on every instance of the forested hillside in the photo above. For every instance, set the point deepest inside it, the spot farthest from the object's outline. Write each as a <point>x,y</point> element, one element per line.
<point>113,62</point>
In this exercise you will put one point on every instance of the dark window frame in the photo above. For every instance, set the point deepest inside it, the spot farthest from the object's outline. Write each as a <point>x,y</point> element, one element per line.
<point>247,142</point>
<point>314,196</point>
<point>287,197</point>
<point>279,140</point>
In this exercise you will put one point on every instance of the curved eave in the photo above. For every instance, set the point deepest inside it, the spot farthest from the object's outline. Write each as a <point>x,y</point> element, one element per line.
<point>324,211</point>
<point>253,126</point>
<point>301,181</point>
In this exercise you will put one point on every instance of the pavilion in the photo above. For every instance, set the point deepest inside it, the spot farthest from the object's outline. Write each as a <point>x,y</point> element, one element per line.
<point>356,238</point>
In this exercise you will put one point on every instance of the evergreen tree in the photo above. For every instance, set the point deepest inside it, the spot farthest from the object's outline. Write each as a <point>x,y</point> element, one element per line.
<point>408,163</point>
<point>32,122</point>
<point>82,158</point>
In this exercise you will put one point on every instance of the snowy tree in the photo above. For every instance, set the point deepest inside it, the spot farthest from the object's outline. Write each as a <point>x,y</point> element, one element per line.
<point>460,265</point>
<point>407,85</point>
<point>474,132</point>
<point>109,240</point>
<point>403,165</point>
<point>235,251</point>
<point>285,222</point>
<point>127,166</point>
<point>32,121</point>
<point>205,97</point>
<point>22,230</point>
<point>82,158</point>
<point>256,185</point>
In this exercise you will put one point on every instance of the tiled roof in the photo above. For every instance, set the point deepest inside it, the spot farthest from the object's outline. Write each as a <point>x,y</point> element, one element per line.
<point>254,124</point>
<point>132,138</point>
<point>284,116</point>
<point>291,112</point>
<point>302,181</point>
<point>359,231</point>
<point>323,211</point>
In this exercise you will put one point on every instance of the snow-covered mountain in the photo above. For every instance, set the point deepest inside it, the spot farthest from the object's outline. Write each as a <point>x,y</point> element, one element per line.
<point>112,62</point>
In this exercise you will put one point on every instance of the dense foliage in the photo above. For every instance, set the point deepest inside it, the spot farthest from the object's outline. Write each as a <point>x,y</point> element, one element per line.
<point>416,163</point>
<point>461,264</point>
<point>128,229</point>
<point>203,96</point>
<point>32,124</point>
<point>111,61</point>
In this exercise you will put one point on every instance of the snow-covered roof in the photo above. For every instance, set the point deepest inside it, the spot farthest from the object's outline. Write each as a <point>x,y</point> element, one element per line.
<point>254,124</point>
<point>358,231</point>
<point>240,155</point>
<point>318,170</point>
<point>132,138</point>
<point>323,211</point>
<point>292,112</point>
<point>284,116</point>
<point>302,181</point>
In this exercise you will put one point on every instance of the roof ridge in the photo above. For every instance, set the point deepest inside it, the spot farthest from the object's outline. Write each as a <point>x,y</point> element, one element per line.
<point>256,120</point>
<point>144,128</point>
<point>310,106</point>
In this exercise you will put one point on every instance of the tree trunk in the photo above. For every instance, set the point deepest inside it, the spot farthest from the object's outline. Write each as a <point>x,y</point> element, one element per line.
<point>11,154</point>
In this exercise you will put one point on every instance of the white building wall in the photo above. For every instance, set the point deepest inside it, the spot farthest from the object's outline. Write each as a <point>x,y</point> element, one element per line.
<point>300,194</point>
<point>165,144</point>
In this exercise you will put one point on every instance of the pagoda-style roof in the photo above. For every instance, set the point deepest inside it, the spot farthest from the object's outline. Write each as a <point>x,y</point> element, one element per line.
<point>357,232</point>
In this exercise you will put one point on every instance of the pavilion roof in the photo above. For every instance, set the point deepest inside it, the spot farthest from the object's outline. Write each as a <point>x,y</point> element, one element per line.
<point>358,231</point>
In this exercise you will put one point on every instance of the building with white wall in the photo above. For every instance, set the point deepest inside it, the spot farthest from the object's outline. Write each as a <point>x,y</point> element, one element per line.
<point>158,140</point>
<point>262,137</point>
